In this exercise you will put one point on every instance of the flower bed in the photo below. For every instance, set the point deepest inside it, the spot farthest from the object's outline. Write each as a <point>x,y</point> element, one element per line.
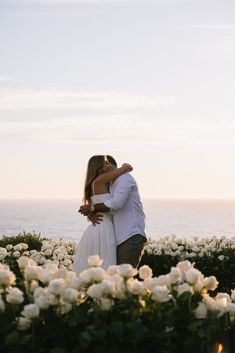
<point>45,307</point>
<point>213,256</point>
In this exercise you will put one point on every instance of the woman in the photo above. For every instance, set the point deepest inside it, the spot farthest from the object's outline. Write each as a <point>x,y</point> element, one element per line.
<point>100,239</point>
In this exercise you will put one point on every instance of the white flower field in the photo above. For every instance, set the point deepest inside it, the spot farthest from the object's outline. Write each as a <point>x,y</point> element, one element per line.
<point>45,307</point>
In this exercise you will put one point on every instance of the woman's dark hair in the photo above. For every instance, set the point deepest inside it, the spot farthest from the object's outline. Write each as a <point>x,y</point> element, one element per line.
<point>94,168</point>
<point>111,160</point>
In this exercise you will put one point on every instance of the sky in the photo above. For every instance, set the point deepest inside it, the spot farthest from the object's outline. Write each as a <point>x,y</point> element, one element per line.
<point>150,82</point>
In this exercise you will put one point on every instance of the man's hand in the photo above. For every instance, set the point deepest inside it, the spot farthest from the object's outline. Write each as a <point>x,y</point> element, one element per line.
<point>85,210</point>
<point>95,218</point>
<point>129,167</point>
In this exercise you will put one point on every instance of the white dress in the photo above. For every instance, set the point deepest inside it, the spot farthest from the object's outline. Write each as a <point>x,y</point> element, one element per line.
<point>97,240</point>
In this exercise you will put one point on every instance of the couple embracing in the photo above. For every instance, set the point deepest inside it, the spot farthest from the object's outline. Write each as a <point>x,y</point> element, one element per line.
<point>113,205</point>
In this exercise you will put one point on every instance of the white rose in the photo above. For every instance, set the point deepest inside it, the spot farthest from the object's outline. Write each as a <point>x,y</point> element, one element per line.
<point>95,291</point>
<point>113,270</point>
<point>44,301</point>
<point>49,261</point>
<point>160,294</point>
<point>52,299</point>
<point>24,246</point>
<point>175,275</point>
<point>2,256</point>
<point>56,286</point>
<point>201,311</point>
<point>94,261</point>
<point>184,266</point>
<point>193,275</point>
<point>24,324</point>
<point>199,285</point>
<point>7,277</point>
<point>185,287</point>
<point>72,280</point>
<point>135,287</point>
<point>60,256</point>
<point>31,273</point>
<point>56,262</point>
<point>105,304</point>
<point>51,267</point>
<point>9,247</point>
<point>61,273</point>
<point>16,254</point>
<point>46,276</point>
<point>57,251</point>
<point>39,291</point>
<point>30,311</point>
<point>210,283</point>
<point>126,270</point>
<point>48,252</point>
<point>85,276</point>
<point>65,308</point>
<point>162,280</point>
<point>67,263</point>
<point>15,296</point>
<point>36,257</point>
<point>18,247</point>
<point>222,305</point>
<point>70,295</point>
<point>109,287</point>
<point>26,253</point>
<point>223,295</point>
<point>119,287</point>
<point>221,257</point>
<point>145,272</point>
<point>23,262</point>
<point>97,274</point>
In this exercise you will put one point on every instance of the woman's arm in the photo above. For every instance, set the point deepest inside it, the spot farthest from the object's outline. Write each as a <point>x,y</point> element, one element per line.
<point>107,177</point>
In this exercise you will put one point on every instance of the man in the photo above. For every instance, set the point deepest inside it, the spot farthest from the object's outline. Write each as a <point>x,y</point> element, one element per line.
<point>128,217</point>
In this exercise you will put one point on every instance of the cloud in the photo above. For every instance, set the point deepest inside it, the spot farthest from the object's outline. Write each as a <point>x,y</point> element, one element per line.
<point>6,78</point>
<point>117,129</point>
<point>51,99</point>
<point>77,117</point>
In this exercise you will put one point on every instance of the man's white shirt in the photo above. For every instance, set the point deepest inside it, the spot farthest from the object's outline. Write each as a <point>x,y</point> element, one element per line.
<point>126,207</point>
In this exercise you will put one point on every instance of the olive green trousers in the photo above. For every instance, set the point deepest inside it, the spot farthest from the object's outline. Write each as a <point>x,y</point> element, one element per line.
<point>131,250</point>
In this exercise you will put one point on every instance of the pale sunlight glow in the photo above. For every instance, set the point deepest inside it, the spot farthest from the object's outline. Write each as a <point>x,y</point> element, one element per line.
<point>150,82</point>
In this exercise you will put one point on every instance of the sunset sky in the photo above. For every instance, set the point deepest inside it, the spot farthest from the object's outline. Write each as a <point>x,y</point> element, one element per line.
<point>150,82</point>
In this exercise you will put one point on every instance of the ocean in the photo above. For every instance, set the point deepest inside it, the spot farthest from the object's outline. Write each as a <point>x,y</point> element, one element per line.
<point>59,218</point>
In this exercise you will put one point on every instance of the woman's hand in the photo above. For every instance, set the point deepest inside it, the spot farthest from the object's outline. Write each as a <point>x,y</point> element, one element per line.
<point>129,167</point>
<point>95,218</point>
<point>85,210</point>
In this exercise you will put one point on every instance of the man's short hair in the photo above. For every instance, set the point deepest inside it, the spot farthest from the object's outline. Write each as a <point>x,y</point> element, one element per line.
<point>111,160</point>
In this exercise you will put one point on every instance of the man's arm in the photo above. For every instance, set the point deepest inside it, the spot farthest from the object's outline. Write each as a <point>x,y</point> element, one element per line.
<point>117,201</point>
<point>122,191</point>
<point>98,207</point>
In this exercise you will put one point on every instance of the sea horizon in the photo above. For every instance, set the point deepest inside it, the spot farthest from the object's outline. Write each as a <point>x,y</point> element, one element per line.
<point>59,218</point>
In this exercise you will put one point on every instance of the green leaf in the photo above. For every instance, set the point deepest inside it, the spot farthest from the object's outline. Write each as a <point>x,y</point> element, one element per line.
<point>58,350</point>
<point>26,339</point>
<point>12,339</point>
